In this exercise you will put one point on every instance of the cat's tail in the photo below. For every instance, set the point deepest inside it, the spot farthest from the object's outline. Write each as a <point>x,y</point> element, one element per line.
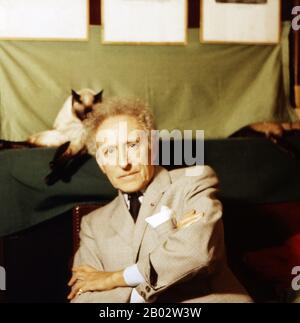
<point>7,144</point>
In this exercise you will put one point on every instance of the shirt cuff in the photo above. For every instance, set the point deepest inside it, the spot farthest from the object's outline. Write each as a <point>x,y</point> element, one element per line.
<point>136,297</point>
<point>132,276</point>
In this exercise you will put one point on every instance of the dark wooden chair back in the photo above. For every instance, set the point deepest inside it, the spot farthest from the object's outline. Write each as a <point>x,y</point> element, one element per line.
<point>77,213</point>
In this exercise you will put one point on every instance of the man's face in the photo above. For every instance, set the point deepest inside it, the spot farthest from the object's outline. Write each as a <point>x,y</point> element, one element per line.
<point>123,153</point>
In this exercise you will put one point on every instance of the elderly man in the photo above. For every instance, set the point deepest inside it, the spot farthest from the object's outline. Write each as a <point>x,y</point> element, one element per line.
<point>161,238</point>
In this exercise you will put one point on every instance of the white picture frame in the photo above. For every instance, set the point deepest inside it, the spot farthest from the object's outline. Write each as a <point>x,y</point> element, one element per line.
<point>240,22</point>
<point>44,19</point>
<point>144,21</point>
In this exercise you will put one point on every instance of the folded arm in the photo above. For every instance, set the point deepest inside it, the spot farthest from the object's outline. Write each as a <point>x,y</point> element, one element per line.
<point>190,249</point>
<point>90,283</point>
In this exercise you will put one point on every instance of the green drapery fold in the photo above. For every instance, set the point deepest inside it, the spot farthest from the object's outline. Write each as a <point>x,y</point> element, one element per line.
<point>250,171</point>
<point>216,88</point>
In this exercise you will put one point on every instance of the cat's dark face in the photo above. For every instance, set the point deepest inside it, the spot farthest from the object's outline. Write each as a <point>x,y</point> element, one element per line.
<point>85,102</point>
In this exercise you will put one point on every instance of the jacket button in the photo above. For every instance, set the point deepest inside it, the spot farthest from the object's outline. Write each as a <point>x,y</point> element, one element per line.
<point>148,289</point>
<point>143,294</point>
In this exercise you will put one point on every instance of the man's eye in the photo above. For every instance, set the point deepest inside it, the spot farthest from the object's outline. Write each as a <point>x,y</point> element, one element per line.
<point>133,145</point>
<point>110,150</point>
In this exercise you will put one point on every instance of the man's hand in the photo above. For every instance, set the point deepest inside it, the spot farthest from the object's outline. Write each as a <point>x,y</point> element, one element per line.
<point>86,278</point>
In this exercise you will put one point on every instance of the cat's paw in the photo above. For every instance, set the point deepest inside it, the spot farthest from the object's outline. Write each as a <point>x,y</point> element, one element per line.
<point>59,157</point>
<point>51,178</point>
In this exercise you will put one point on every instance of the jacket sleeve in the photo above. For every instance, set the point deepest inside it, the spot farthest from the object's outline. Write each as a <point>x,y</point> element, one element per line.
<point>87,255</point>
<point>189,250</point>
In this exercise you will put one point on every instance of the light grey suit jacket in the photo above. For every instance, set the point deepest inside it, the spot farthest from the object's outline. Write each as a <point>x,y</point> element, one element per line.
<point>179,265</point>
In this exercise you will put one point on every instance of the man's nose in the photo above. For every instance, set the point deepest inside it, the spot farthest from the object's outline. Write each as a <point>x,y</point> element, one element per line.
<point>123,158</point>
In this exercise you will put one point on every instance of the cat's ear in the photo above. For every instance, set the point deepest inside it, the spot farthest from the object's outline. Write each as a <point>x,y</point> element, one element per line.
<point>98,97</point>
<point>75,96</point>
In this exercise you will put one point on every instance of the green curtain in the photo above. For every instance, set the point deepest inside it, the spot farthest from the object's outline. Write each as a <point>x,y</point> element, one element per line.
<point>251,171</point>
<point>216,88</point>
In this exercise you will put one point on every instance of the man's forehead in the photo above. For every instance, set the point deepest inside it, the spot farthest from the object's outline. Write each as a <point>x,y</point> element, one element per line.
<point>115,136</point>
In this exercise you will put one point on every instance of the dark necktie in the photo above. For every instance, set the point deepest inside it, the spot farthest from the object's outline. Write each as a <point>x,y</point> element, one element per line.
<point>134,204</point>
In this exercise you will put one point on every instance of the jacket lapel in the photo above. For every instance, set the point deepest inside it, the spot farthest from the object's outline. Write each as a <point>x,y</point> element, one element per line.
<point>152,196</point>
<point>121,220</point>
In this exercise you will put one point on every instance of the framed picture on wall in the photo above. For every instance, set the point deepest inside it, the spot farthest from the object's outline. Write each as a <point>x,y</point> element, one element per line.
<point>144,21</point>
<point>242,1</point>
<point>44,20</point>
<point>240,21</point>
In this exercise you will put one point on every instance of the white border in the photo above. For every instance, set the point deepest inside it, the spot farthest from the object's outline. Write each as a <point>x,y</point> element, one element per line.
<point>44,19</point>
<point>240,23</point>
<point>144,21</point>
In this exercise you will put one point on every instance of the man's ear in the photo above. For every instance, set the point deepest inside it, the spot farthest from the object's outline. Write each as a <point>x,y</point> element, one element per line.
<point>98,97</point>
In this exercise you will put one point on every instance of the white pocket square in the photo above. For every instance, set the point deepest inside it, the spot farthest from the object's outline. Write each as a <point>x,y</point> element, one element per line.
<point>162,216</point>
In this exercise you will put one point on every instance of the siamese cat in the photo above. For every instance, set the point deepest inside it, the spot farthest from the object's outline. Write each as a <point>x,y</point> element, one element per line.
<point>271,130</point>
<point>68,133</point>
<point>276,132</point>
<point>68,125</point>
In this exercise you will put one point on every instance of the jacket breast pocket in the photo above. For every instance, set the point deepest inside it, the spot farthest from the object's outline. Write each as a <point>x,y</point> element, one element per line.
<point>164,228</point>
